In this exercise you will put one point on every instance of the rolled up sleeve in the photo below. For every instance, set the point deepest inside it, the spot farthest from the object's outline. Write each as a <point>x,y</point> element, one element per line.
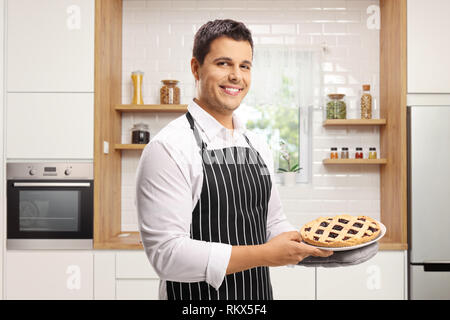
<point>164,204</point>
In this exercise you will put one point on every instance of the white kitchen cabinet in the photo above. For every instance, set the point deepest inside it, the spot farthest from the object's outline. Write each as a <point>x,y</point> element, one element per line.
<point>428,46</point>
<point>127,275</point>
<point>104,275</point>
<point>134,265</point>
<point>382,277</point>
<point>50,45</point>
<point>137,289</point>
<point>49,275</point>
<point>50,126</point>
<point>293,283</point>
<point>124,275</point>
<point>135,277</point>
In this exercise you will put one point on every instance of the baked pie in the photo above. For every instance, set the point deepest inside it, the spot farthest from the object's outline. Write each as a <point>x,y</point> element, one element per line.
<point>340,231</point>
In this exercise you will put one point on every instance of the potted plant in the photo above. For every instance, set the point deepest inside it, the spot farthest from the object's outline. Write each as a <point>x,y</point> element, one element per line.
<point>289,174</point>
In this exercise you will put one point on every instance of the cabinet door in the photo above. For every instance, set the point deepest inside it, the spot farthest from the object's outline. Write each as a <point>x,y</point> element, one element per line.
<point>382,277</point>
<point>50,126</point>
<point>50,45</point>
<point>104,275</point>
<point>49,275</point>
<point>428,46</point>
<point>293,283</point>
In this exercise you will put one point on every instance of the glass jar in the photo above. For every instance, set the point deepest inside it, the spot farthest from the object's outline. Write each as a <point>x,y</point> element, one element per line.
<point>344,153</point>
<point>372,153</point>
<point>136,77</point>
<point>140,134</point>
<point>366,103</point>
<point>336,106</point>
<point>359,153</point>
<point>170,93</point>
<point>334,153</point>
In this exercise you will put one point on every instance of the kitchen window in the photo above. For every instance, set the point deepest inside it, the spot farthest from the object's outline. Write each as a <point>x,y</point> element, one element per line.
<point>285,89</point>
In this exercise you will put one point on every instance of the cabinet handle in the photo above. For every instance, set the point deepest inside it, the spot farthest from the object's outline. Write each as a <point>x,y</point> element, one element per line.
<point>52,184</point>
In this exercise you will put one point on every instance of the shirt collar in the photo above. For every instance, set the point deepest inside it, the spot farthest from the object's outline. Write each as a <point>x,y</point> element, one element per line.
<point>209,125</point>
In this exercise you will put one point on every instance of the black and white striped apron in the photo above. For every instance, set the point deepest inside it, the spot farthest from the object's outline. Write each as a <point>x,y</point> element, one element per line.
<point>232,209</point>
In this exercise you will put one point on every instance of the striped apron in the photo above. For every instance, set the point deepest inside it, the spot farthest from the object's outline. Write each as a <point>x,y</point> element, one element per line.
<point>232,209</point>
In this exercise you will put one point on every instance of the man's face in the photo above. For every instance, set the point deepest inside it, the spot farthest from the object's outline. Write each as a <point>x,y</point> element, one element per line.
<point>225,76</point>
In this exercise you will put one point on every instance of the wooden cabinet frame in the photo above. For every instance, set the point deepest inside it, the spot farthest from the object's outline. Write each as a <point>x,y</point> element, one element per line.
<point>107,122</point>
<point>108,126</point>
<point>393,139</point>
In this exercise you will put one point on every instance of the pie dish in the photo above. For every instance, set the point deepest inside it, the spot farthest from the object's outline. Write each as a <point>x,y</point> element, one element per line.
<point>340,231</point>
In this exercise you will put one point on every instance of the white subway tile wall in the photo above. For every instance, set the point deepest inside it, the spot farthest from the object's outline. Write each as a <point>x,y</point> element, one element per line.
<point>158,39</point>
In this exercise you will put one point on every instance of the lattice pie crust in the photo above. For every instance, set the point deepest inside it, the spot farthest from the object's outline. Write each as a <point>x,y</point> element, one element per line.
<point>340,231</point>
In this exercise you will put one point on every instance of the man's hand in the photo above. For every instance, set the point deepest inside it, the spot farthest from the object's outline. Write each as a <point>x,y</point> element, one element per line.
<point>287,248</point>
<point>284,249</point>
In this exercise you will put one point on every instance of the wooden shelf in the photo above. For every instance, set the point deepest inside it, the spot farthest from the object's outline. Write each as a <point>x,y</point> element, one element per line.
<point>389,244</point>
<point>129,146</point>
<point>151,107</point>
<point>354,161</point>
<point>123,240</point>
<point>354,122</point>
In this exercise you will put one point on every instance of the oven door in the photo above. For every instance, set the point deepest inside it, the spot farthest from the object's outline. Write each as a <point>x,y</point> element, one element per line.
<point>49,210</point>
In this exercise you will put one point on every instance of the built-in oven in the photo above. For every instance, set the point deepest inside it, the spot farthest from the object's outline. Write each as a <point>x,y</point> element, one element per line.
<point>50,205</point>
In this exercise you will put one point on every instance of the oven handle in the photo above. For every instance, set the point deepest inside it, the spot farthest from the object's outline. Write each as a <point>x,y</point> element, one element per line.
<point>52,184</point>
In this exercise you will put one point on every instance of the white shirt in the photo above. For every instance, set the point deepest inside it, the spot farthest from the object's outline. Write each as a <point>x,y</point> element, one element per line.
<point>168,185</point>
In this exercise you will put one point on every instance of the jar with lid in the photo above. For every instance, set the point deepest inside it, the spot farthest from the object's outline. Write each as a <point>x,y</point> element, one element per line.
<point>344,153</point>
<point>366,103</point>
<point>170,92</point>
<point>372,153</point>
<point>334,153</point>
<point>359,153</point>
<point>336,107</point>
<point>140,134</point>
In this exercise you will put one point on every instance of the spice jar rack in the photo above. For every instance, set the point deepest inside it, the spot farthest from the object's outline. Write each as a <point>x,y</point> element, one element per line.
<point>355,123</point>
<point>172,108</point>
<point>354,161</point>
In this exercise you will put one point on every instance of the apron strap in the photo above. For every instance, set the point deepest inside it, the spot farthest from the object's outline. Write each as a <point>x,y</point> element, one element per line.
<point>203,144</point>
<point>248,141</point>
<point>200,142</point>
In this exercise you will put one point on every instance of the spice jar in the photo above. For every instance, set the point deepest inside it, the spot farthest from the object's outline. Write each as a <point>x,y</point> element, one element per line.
<point>336,107</point>
<point>140,134</point>
<point>372,153</point>
<point>359,153</point>
<point>366,103</point>
<point>344,153</point>
<point>136,77</point>
<point>170,93</point>
<point>334,153</point>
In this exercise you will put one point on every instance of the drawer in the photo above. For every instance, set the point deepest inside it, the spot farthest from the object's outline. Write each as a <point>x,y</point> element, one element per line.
<point>134,265</point>
<point>137,289</point>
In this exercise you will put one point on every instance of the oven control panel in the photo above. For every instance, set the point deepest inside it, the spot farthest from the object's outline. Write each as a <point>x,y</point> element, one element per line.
<point>82,170</point>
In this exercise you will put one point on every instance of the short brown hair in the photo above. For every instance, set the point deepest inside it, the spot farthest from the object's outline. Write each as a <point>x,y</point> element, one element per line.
<point>215,29</point>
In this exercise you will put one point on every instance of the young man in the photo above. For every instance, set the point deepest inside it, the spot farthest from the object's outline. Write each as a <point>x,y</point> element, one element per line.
<point>209,214</point>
